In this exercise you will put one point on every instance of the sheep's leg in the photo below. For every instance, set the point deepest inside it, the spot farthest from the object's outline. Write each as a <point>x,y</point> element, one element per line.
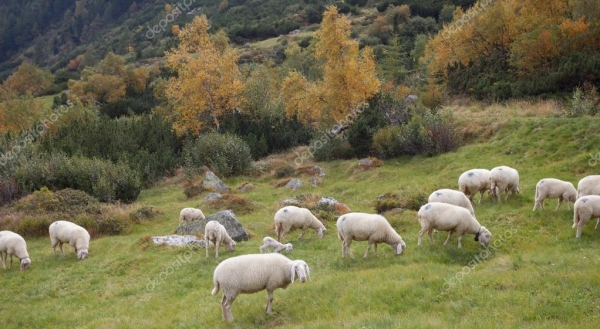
<point>448,238</point>
<point>226,307</point>
<point>61,248</point>
<point>375,248</point>
<point>430,234</point>
<point>368,247</point>
<point>480,197</point>
<point>217,243</point>
<point>11,258</point>
<point>346,248</point>
<point>419,238</point>
<point>560,201</point>
<point>302,233</point>
<point>597,222</point>
<point>459,238</point>
<point>207,242</point>
<point>3,259</point>
<point>269,300</point>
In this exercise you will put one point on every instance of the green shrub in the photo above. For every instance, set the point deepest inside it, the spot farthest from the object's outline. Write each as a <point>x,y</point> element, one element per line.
<point>226,155</point>
<point>42,200</point>
<point>327,149</point>
<point>408,198</point>
<point>285,171</point>
<point>34,226</point>
<point>114,225</point>
<point>585,101</point>
<point>143,214</point>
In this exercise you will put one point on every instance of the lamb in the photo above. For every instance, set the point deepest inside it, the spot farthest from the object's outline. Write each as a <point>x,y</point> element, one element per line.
<point>584,209</point>
<point>456,198</point>
<point>190,214</point>
<point>554,188</point>
<point>454,219</point>
<point>216,233</point>
<point>11,244</point>
<point>76,236</point>
<point>277,246</point>
<point>589,185</point>
<point>252,273</point>
<point>472,181</point>
<point>504,179</point>
<point>367,227</point>
<point>291,217</point>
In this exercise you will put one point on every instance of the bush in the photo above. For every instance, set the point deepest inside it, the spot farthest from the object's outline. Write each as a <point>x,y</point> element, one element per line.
<point>285,171</point>
<point>239,205</point>
<point>410,198</point>
<point>585,101</point>
<point>328,149</point>
<point>114,225</point>
<point>226,155</point>
<point>143,214</point>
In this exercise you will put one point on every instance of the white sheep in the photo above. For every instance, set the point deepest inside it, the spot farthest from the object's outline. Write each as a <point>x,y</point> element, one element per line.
<point>367,227</point>
<point>589,185</point>
<point>248,274</point>
<point>190,214</point>
<point>454,197</point>
<point>292,217</point>
<point>472,181</point>
<point>504,179</point>
<point>11,244</point>
<point>269,242</point>
<point>63,231</point>
<point>584,209</point>
<point>454,219</point>
<point>554,188</point>
<point>216,233</point>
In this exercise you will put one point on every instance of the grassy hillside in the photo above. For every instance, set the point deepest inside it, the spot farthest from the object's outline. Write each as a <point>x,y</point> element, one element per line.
<point>535,273</point>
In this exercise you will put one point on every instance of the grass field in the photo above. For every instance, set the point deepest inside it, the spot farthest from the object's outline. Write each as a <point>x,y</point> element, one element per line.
<point>535,274</point>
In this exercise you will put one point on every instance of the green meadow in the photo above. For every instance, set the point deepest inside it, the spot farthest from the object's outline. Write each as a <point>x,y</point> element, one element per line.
<point>534,274</point>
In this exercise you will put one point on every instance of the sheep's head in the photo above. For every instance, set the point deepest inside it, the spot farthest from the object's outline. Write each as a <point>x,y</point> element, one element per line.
<point>399,247</point>
<point>82,254</point>
<point>25,262</point>
<point>321,231</point>
<point>300,269</point>
<point>288,247</point>
<point>231,246</point>
<point>483,236</point>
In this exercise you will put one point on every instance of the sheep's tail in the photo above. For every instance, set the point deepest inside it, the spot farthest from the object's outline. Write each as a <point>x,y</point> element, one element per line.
<point>278,230</point>
<point>216,288</point>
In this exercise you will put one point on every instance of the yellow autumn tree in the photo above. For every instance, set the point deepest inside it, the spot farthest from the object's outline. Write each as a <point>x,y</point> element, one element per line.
<point>208,83</point>
<point>28,79</point>
<point>349,78</point>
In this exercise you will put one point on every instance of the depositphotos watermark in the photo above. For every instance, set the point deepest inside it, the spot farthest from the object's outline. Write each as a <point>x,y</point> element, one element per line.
<point>326,137</point>
<point>594,159</point>
<point>170,17</point>
<point>466,17</point>
<point>27,138</point>
<point>175,265</point>
<point>478,259</point>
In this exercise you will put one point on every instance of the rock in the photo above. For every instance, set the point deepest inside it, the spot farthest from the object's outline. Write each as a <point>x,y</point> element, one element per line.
<point>246,187</point>
<point>365,163</point>
<point>318,170</point>
<point>289,202</point>
<point>411,98</point>
<point>294,184</point>
<point>332,205</point>
<point>213,183</point>
<point>179,240</point>
<point>315,181</point>
<point>225,217</point>
<point>213,197</point>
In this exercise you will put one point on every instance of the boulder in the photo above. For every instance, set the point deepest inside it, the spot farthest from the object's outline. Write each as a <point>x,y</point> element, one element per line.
<point>213,197</point>
<point>213,183</point>
<point>318,171</point>
<point>332,205</point>
<point>294,184</point>
<point>179,240</point>
<point>225,217</point>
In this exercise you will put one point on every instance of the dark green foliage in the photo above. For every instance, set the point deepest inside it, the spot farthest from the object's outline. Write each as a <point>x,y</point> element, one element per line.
<point>371,119</point>
<point>408,198</point>
<point>114,225</point>
<point>133,103</point>
<point>225,154</point>
<point>285,171</point>
<point>144,214</point>
<point>328,148</point>
<point>146,143</point>
<point>101,178</point>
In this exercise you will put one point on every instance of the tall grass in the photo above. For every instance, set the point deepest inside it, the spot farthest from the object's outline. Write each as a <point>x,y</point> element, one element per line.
<point>538,276</point>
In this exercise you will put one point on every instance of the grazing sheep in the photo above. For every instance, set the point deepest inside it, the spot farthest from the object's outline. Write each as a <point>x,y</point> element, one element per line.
<point>472,181</point>
<point>292,217</point>
<point>584,209</point>
<point>454,219</point>
<point>456,198</point>
<point>216,233</point>
<point>277,246</point>
<point>367,227</point>
<point>248,274</point>
<point>554,188</point>
<point>190,214</point>
<point>76,236</point>
<point>504,179</point>
<point>11,244</point>
<point>589,185</point>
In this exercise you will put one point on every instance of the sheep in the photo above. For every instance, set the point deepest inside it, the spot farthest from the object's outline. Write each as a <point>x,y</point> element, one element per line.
<point>504,179</point>
<point>454,219</point>
<point>554,188</point>
<point>78,237</point>
<point>292,217</point>
<point>216,233</point>
<point>589,185</point>
<point>277,246</point>
<point>456,198</point>
<point>584,209</point>
<point>252,273</point>
<point>472,181</point>
<point>11,244</point>
<point>367,227</point>
<point>190,214</point>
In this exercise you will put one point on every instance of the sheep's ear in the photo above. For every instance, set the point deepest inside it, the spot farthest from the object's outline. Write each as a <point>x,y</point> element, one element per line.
<point>293,272</point>
<point>307,271</point>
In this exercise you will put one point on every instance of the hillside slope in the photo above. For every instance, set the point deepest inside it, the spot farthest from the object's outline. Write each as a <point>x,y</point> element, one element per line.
<point>535,273</point>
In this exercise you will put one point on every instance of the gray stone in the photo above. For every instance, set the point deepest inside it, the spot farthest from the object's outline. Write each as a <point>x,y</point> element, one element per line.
<point>289,202</point>
<point>179,240</point>
<point>318,170</point>
<point>247,187</point>
<point>365,163</point>
<point>212,182</point>
<point>294,184</point>
<point>326,203</point>
<point>411,98</point>
<point>213,197</point>
<point>225,217</point>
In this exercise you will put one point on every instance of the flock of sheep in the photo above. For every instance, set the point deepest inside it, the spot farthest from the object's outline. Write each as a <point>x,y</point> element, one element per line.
<point>447,210</point>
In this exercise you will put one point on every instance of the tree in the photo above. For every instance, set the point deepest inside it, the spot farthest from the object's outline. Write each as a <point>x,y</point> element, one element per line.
<point>28,79</point>
<point>349,78</point>
<point>208,83</point>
